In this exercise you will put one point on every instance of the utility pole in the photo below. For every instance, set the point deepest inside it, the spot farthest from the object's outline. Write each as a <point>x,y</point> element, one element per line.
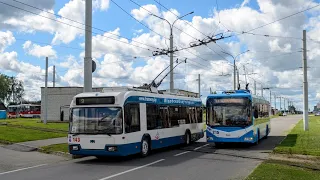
<point>261,90</point>
<point>54,76</point>
<point>46,94</point>
<point>88,48</point>
<point>270,102</point>
<point>171,46</point>
<point>275,102</point>
<point>255,87</point>
<point>305,84</point>
<point>280,103</point>
<point>199,85</point>
<point>284,104</point>
<point>238,80</point>
<point>235,67</point>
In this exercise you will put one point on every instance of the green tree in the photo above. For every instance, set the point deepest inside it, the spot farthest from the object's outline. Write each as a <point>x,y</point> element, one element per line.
<point>11,89</point>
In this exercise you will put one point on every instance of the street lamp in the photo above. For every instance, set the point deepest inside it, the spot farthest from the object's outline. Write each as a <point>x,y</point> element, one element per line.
<point>234,66</point>
<point>171,45</point>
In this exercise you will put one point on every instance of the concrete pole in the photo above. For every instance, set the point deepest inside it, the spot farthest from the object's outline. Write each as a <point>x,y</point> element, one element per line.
<point>261,90</point>
<point>88,48</point>
<point>270,102</point>
<point>54,76</point>
<point>171,61</point>
<point>275,102</point>
<point>255,87</point>
<point>238,79</point>
<point>234,74</point>
<point>199,85</point>
<point>280,104</point>
<point>46,94</point>
<point>305,84</point>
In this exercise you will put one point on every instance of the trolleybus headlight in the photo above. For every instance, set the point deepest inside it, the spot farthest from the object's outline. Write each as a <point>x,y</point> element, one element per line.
<point>74,148</point>
<point>248,139</point>
<point>112,148</point>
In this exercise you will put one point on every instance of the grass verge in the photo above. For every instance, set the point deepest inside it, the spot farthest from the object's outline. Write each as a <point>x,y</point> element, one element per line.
<point>55,148</point>
<point>275,171</point>
<point>261,120</point>
<point>36,123</point>
<point>14,135</point>
<point>302,142</point>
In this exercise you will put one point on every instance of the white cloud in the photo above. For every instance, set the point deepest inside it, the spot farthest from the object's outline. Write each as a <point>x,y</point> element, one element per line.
<point>101,4</point>
<point>39,51</point>
<point>245,2</point>
<point>6,39</point>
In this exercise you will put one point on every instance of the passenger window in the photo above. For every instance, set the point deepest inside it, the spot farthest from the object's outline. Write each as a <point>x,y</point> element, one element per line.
<point>152,117</point>
<point>132,118</point>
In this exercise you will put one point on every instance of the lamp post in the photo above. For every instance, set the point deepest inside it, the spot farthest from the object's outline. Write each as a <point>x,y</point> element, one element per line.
<point>171,45</point>
<point>234,66</point>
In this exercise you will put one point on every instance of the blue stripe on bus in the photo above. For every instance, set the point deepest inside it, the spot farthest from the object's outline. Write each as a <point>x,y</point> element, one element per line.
<point>133,148</point>
<point>122,150</point>
<point>166,101</point>
<point>227,129</point>
<point>249,134</point>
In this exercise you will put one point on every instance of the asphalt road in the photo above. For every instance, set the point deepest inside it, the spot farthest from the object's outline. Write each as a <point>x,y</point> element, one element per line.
<point>198,161</point>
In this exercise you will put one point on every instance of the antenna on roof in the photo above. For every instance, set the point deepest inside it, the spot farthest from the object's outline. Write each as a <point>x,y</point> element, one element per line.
<point>159,83</point>
<point>247,86</point>
<point>153,85</point>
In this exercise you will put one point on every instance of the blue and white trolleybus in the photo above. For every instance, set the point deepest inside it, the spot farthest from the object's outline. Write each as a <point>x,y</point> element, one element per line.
<point>124,121</point>
<point>237,116</point>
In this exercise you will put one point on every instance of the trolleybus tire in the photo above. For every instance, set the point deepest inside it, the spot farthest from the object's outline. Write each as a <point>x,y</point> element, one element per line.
<point>187,138</point>
<point>258,138</point>
<point>145,146</point>
<point>267,133</point>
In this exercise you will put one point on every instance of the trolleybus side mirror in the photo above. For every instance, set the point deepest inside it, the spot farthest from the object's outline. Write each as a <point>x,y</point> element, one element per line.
<point>255,113</point>
<point>61,115</point>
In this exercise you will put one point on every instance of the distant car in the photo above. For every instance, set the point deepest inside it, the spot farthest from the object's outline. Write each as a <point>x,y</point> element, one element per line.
<point>317,114</point>
<point>285,114</point>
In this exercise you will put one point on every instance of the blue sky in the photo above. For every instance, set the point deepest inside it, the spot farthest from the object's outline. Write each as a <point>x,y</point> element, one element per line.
<point>115,64</point>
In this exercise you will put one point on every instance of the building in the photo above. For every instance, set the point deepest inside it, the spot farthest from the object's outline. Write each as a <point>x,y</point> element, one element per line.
<point>182,92</point>
<point>59,99</point>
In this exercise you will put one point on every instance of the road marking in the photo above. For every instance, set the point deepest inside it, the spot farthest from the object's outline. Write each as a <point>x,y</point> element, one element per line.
<point>22,169</point>
<point>185,152</point>
<point>182,153</point>
<point>124,172</point>
<point>201,147</point>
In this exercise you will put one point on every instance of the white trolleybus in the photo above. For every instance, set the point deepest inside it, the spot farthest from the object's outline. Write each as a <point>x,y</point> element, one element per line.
<point>237,116</point>
<point>125,121</point>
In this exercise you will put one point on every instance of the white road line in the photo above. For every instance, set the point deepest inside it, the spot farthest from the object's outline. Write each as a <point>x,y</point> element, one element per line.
<point>190,151</point>
<point>201,147</point>
<point>182,153</point>
<point>124,172</point>
<point>22,169</point>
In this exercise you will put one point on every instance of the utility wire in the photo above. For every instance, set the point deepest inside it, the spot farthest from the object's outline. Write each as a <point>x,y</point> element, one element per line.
<point>176,27</point>
<point>272,36</point>
<point>83,24</point>
<point>283,18</point>
<point>38,42</point>
<point>73,26</point>
<point>178,17</point>
<point>137,19</point>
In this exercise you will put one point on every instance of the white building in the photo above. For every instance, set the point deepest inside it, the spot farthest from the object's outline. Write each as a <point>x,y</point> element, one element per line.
<point>59,99</point>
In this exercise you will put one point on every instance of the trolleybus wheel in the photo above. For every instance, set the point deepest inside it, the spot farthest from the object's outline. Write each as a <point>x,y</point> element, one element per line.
<point>187,138</point>
<point>145,147</point>
<point>258,138</point>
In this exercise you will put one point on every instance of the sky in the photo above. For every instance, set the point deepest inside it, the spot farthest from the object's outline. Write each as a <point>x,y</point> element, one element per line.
<point>125,36</point>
